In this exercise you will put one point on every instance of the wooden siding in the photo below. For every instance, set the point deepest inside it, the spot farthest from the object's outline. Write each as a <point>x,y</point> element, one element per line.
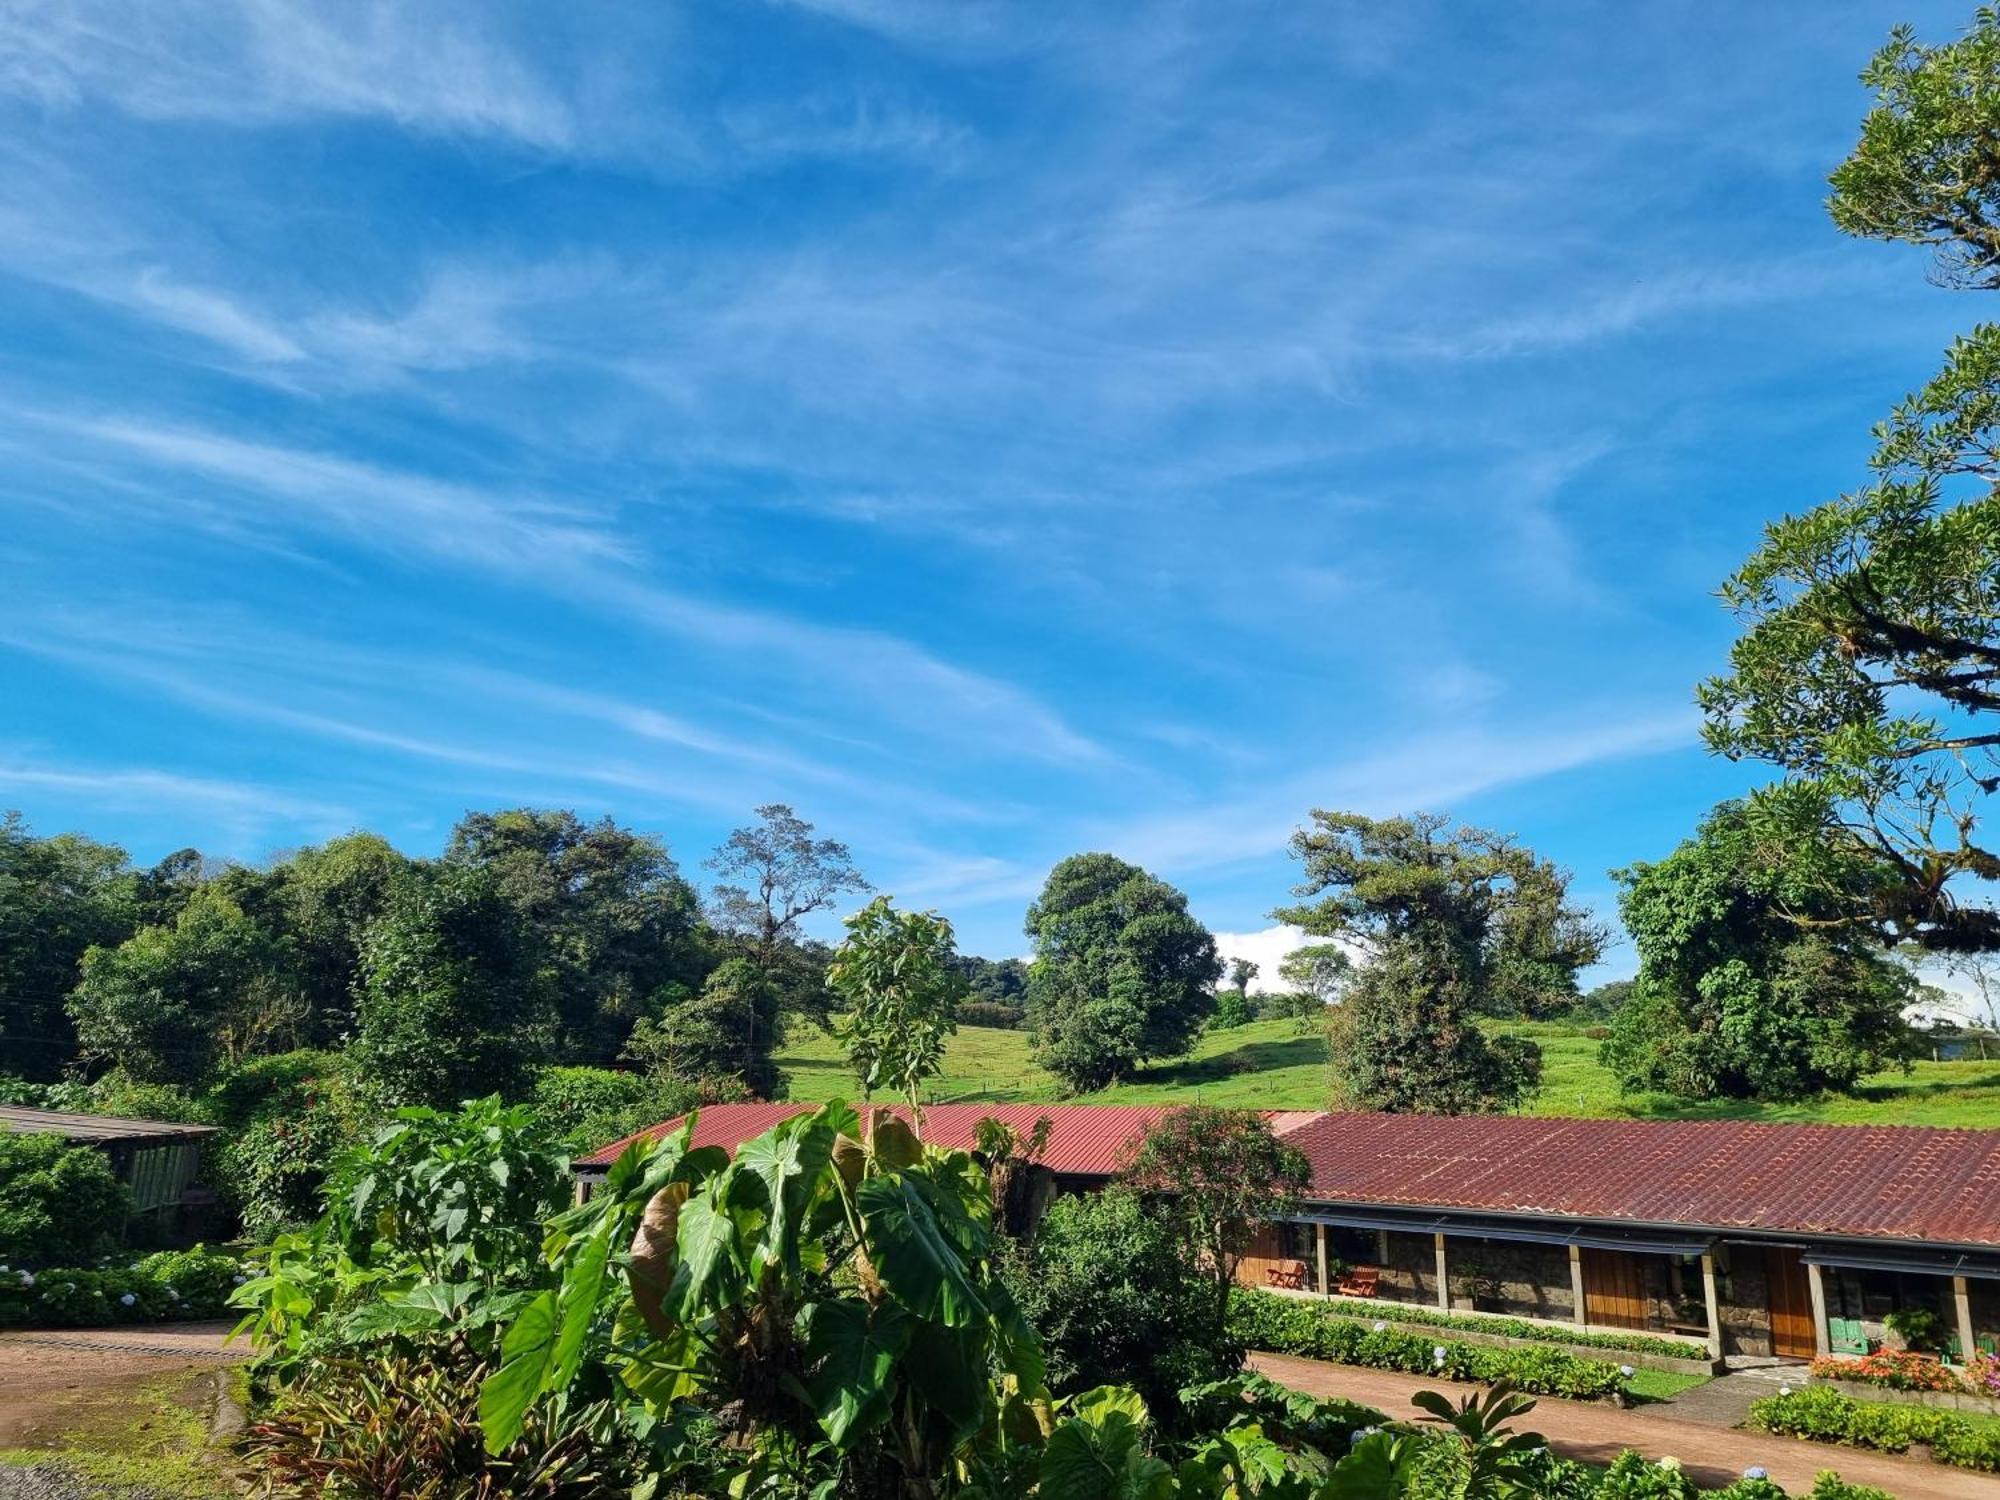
<point>1614,1290</point>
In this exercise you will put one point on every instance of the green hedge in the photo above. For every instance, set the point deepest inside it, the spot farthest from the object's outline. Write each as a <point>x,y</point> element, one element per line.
<point>1284,1326</point>
<point>1828,1416</point>
<point>1513,1328</point>
<point>171,1286</point>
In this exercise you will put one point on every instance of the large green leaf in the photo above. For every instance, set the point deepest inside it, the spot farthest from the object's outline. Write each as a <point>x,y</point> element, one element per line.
<point>1098,1452</point>
<point>706,1237</point>
<point>504,1395</point>
<point>582,1289</point>
<point>853,1350</point>
<point>1379,1467</point>
<point>949,1367</point>
<point>915,1259</point>
<point>788,1162</point>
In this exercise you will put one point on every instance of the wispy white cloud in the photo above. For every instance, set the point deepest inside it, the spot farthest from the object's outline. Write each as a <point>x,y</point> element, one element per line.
<point>143,789</point>
<point>252,62</point>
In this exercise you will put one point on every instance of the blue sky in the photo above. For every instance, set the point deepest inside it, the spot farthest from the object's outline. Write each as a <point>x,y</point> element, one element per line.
<point>997,429</point>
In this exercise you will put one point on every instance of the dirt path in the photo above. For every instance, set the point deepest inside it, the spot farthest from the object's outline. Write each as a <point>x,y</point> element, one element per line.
<point>1714,1456</point>
<point>52,1383</point>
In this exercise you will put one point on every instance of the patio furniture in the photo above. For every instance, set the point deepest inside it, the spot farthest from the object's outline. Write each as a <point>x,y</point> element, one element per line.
<point>1361,1281</point>
<point>1846,1337</point>
<point>1289,1274</point>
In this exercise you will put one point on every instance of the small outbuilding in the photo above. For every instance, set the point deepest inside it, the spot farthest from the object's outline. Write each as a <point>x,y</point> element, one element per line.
<point>158,1160</point>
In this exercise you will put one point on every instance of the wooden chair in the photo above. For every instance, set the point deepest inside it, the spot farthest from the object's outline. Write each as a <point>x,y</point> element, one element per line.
<point>1362,1281</point>
<point>1289,1274</point>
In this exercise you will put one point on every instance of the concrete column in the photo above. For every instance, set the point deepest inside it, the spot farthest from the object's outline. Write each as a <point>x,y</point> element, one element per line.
<point>1443,1275</point>
<point>1581,1316</point>
<point>1816,1279</point>
<point>1319,1249</point>
<point>1961,1296</point>
<point>1714,1305</point>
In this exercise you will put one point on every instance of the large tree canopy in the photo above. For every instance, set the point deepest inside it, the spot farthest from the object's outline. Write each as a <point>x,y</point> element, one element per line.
<point>1122,973</point>
<point>58,897</point>
<point>1749,986</point>
<point>1869,667</point>
<point>617,921</point>
<point>1456,924</point>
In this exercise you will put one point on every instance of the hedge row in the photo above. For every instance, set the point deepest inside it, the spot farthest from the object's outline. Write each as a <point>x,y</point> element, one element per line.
<point>1828,1416</point>
<point>171,1286</point>
<point>1283,1326</point>
<point>1513,1328</point>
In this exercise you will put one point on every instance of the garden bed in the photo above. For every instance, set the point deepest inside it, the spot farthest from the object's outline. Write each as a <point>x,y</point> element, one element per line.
<point>1499,1330</point>
<point>1861,1390</point>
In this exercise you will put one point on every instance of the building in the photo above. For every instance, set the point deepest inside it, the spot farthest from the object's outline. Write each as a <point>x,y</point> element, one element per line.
<point>1760,1241</point>
<point>155,1159</point>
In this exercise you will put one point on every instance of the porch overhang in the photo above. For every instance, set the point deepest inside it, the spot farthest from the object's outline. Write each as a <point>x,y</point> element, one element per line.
<point>1479,1226</point>
<point>1927,1262</point>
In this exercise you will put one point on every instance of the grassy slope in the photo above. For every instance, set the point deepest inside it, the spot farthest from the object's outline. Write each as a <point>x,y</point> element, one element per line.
<point>1269,1065</point>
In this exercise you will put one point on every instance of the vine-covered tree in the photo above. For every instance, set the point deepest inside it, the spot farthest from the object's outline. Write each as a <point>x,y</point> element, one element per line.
<point>898,975</point>
<point>730,1029</point>
<point>1750,983</point>
<point>617,920</point>
<point>1122,972</point>
<point>1868,671</point>
<point>456,1001</point>
<point>1456,924</point>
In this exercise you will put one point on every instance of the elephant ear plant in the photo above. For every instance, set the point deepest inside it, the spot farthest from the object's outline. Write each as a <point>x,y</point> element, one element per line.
<point>829,1294</point>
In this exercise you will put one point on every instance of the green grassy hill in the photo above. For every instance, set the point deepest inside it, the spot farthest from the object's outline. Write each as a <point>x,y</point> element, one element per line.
<point>1270,1065</point>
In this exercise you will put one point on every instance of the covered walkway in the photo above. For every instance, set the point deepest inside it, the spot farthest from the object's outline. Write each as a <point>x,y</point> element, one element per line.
<point>1713,1455</point>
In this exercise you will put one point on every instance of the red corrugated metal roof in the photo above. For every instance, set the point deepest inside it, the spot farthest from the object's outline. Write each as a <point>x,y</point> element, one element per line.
<point>1888,1181</point>
<point>1085,1140</point>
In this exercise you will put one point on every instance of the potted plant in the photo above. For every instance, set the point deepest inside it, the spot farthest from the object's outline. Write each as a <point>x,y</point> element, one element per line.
<point>1479,1288</point>
<point>1917,1329</point>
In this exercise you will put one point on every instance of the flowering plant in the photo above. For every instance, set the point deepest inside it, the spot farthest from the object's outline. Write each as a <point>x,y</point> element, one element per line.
<point>1898,1369</point>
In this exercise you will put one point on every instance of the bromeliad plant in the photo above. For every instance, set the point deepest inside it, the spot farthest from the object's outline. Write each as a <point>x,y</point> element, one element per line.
<point>829,1294</point>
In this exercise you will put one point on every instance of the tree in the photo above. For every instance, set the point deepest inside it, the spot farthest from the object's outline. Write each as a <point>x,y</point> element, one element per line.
<point>774,874</point>
<point>1321,970</point>
<point>1122,973</point>
<point>1457,924</point>
<point>1605,1001</point>
<point>58,897</point>
<point>330,894</point>
<point>172,1002</point>
<point>1868,670</point>
<point>1218,1176</point>
<point>896,972</point>
<point>1749,986</point>
<point>616,918</point>
<point>1927,167</point>
<point>455,1000</point>
<point>731,1029</point>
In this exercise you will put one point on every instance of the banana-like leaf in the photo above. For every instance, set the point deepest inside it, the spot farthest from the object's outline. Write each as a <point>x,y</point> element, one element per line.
<point>787,1162</point>
<point>707,1240</point>
<point>1098,1452</point>
<point>1379,1467</point>
<point>894,1144</point>
<point>504,1395</point>
<point>915,1259</point>
<point>654,1257</point>
<point>853,1349</point>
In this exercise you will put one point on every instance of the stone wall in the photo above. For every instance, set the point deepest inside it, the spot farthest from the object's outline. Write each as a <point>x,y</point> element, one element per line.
<point>1534,1279</point>
<point>1409,1269</point>
<point>1743,1297</point>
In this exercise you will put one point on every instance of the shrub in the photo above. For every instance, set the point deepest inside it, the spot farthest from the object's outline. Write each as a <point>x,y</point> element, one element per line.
<point>1261,1321</point>
<point>58,1203</point>
<point>1116,1302</point>
<point>171,1286</point>
<point>1920,1329</point>
<point>1822,1415</point>
<point>1513,1328</point>
<point>592,1107</point>
<point>990,1013</point>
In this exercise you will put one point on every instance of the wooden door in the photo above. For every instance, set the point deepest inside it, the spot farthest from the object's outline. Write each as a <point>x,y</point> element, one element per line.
<point>1790,1294</point>
<point>1614,1289</point>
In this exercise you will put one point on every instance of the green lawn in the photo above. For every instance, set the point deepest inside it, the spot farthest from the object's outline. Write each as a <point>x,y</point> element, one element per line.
<point>1270,1065</point>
